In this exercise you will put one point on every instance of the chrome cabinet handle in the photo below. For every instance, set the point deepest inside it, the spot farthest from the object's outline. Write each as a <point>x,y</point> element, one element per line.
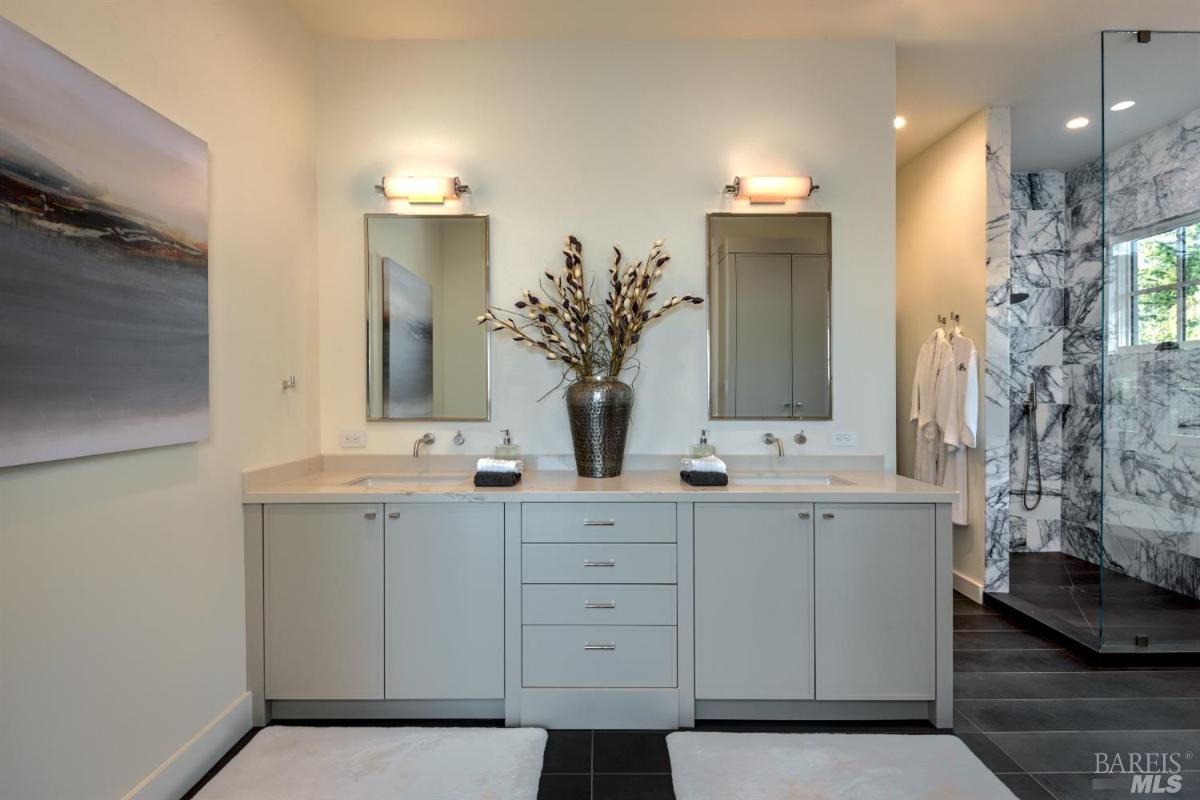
<point>393,515</point>
<point>370,515</point>
<point>602,604</point>
<point>605,563</point>
<point>605,646</point>
<point>827,515</point>
<point>599,523</point>
<point>804,515</point>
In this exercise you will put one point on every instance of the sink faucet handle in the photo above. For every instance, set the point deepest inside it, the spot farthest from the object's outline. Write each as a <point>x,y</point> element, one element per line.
<point>770,438</point>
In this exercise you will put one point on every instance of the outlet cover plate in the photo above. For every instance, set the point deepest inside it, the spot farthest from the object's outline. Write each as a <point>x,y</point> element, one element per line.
<point>354,438</point>
<point>845,439</point>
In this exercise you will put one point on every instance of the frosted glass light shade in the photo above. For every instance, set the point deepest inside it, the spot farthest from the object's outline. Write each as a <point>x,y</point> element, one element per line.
<point>419,190</point>
<point>762,189</point>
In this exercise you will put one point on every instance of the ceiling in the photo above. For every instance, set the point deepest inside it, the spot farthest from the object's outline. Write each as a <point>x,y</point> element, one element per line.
<point>953,56</point>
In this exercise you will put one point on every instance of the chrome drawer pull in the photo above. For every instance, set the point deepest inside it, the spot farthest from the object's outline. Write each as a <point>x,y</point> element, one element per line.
<point>804,515</point>
<point>394,515</point>
<point>599,523</point>
<point>595,604</point>
<point>827,515</point>
<point>608,646</point>
<point>608,563</point>
<point>370,515</point>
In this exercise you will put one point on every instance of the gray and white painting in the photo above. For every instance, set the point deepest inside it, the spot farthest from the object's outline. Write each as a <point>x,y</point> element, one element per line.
<point>103,265</point>
<point>408,342</point>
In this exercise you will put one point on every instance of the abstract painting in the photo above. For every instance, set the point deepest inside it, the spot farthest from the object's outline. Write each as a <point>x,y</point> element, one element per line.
<point>408,342</point>
<point>103,265</point>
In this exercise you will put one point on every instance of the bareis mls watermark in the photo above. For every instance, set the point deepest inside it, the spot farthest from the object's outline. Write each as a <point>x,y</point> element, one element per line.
<point>1140,773</point>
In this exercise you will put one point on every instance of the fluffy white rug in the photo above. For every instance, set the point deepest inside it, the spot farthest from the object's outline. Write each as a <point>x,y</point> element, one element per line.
<point>296,763</point>
<point>774,766</point>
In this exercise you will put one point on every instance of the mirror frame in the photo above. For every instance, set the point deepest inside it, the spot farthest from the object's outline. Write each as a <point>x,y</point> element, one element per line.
<point>828,217</point>
<point>487,296</point>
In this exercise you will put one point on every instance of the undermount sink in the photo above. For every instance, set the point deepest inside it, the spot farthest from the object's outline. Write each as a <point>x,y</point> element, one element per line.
<point>422,479</point>
<point>785,479</point>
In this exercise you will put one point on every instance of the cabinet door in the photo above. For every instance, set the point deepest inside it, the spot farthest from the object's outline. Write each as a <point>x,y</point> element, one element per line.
<point>875,596</point>
<point>445,601</point>
<point>324,602</point>
<point>754,601</point>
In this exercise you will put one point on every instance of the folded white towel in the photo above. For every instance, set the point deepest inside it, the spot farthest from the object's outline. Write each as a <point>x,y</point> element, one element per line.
<point>706,464</point>
<point>499,465</point>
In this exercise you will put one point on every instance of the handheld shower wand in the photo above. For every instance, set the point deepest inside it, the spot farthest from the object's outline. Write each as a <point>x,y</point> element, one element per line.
<point>1032,460</point>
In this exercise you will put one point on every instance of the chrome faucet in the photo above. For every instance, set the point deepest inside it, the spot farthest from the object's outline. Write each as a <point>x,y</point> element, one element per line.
<point>770,438</point>
<point>426,439</point>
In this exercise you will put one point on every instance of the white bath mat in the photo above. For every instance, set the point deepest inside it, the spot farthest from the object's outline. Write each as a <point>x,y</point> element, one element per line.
<point>788,766</point>
<point>285,762</point>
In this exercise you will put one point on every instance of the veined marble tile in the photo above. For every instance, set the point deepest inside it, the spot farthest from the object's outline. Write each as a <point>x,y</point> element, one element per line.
<point>1081,344</point>
<point>1041,269</point>
<point>1082,384</point>
<point>1082,304</point>
<point>1083,182</point>
<point>998,268</point>
<point>1039,190</point>
<point>1037,232</point>
<point>1045,307</point>
<point>1037,346</point>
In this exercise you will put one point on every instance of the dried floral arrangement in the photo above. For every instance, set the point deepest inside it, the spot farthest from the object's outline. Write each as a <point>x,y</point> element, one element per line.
<point>565,324</point>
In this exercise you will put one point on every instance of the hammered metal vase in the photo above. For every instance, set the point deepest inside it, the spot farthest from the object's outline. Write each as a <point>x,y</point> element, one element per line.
<point>599,410</point>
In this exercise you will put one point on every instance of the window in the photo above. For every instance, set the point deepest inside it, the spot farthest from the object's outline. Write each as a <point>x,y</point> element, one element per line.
<point>1158,287</point>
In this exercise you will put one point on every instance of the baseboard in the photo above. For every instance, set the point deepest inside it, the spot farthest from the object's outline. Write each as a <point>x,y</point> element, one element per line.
<point>967,587</point>
<point>172,778</point>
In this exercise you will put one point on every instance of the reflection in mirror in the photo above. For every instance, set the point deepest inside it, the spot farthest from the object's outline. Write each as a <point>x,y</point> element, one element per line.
<point>426,281</point>
<point>769,298</point>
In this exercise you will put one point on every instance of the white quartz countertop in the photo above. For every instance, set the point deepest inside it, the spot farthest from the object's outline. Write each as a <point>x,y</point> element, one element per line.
<point>311,482</point>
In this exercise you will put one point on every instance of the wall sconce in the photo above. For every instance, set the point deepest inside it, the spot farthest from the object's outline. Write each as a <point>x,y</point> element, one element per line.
<point>422,190</point>
<point>759,189</point>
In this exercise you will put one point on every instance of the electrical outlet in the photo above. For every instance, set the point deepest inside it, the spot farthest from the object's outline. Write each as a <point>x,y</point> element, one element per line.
<point>354,438</point>
<point>845,439</point>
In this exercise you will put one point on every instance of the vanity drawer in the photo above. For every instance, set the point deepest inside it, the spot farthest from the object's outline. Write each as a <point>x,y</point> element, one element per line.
<point>598,563</point>
<point>557,604</point>
<point>598,656</point>
<point>598,522</point>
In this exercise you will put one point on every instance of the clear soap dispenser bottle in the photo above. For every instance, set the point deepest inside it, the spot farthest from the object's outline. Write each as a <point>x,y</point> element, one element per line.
<point>703,448</point>
<point>506,449</point>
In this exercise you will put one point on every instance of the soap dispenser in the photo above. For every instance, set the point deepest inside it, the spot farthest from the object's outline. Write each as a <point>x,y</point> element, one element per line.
<point>702,448</point>
<point>506,449</point>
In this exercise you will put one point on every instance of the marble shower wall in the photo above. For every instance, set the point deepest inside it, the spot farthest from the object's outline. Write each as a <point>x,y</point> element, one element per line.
<point>1037,328</point>
<point>997,381</point>
<point>1152,413</point>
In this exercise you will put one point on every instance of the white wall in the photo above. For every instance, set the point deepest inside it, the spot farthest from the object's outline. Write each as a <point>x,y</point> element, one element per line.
<point>121,577</point>
<point>941,212</point>
<point>617,142</point>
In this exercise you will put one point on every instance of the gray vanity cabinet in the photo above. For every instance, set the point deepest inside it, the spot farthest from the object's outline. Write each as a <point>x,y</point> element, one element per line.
<point>323,601</point>
<point>445,601</point>
<point>875,593</point>
<point>754,601</point>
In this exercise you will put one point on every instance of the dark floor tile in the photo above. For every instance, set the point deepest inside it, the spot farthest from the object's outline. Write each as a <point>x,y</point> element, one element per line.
<point>962,724</point>
<point>1001,640</point>
<point>1110,683</point>
<point>986,750</point>
<point>1025,787</point>
<point>965,605</point>
<point>1081,714</point>
<point>1078,786</point>
<point>632,787</point>
<point>1073,751</point>
<point>565,787</point>
<point>568,751</point>
<point>984,622</point>
<point>1018,661</point>
<point>630,751</point>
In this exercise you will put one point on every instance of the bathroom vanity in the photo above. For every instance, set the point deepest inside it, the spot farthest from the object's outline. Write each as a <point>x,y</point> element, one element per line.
<point>634,602</point>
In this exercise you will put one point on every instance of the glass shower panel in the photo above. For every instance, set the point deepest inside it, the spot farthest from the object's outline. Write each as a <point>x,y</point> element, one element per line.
<point>1149,315</point>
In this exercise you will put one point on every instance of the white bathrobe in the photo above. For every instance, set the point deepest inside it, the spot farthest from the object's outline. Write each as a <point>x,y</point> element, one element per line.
<point>959,420</point>
<point>932,388</point>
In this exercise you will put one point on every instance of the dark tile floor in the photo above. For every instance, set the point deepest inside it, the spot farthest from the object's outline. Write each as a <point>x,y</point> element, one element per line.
<point>1101,610</point>
<point>1033,712</point>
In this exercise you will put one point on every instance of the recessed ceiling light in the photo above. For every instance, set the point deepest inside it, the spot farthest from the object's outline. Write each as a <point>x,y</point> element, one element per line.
<point>899,122</point>
<point>1078,122</point>
<point>1123,105</point>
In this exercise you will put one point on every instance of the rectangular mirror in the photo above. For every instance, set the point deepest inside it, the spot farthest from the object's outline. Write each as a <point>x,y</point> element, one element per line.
<point>427,281</point>
<point>769,278</point>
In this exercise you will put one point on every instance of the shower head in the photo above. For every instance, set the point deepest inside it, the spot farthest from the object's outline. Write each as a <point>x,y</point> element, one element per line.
<point>1017,297</point>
